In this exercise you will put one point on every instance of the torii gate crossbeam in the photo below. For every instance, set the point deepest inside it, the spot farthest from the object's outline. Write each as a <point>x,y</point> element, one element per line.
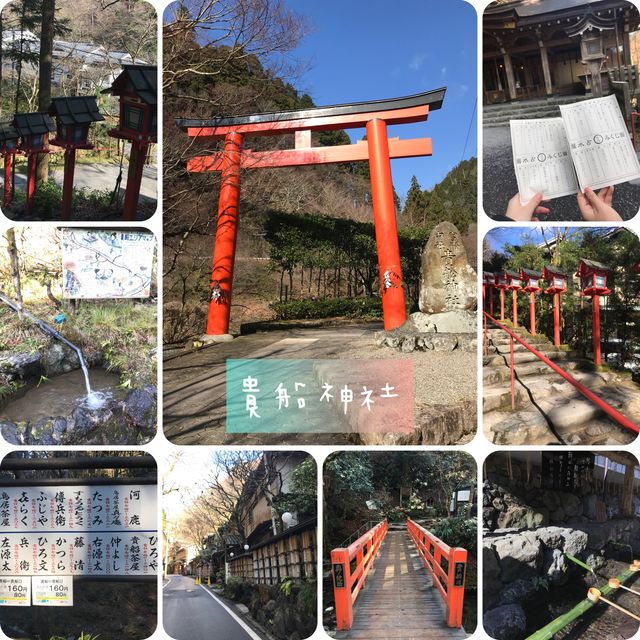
<point>378,150</point>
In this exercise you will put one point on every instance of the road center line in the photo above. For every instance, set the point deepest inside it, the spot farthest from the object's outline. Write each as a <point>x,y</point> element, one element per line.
<point>241,622</point>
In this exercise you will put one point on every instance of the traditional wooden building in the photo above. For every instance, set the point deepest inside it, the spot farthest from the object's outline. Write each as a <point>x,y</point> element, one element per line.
<point>543,48</point>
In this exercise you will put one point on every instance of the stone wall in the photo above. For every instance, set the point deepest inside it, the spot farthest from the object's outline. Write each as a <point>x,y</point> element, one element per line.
<point>521,564</point>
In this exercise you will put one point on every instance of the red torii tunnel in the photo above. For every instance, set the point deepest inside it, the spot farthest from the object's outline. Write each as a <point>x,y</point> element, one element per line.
<point>378,149</point>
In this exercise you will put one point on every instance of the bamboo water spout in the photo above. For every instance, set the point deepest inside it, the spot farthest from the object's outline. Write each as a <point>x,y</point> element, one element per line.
<point>45,328</point>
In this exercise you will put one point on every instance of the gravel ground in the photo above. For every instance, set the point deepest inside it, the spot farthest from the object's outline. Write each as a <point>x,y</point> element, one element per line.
<point>440,377</point>
<point>499,183</point>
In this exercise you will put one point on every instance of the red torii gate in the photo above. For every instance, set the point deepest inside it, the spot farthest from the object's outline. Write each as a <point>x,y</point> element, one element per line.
<point>375,116</point>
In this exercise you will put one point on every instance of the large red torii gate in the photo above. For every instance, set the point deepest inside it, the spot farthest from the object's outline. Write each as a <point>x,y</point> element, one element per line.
<point>375,116</point>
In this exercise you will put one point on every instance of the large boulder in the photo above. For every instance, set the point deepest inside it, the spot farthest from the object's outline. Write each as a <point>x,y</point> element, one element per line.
<point>520,555</point>
<point>448,282</point>
<point>58,358</point>
<point>140,407</point>
<point>506,622</point>
<point>445,322</point>
<point>21,365</point>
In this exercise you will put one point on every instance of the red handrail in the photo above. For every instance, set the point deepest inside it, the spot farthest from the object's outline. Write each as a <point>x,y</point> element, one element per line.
<point>614,414</point>
<point>447,566</point>
<point>348,582</point>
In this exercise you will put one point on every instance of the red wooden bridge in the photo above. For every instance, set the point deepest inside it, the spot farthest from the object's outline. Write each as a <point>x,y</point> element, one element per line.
<point>399,584</point>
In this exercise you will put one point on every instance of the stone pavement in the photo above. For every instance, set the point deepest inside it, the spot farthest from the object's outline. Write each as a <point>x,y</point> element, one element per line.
<point>499,183</point>
<point>195,392</point>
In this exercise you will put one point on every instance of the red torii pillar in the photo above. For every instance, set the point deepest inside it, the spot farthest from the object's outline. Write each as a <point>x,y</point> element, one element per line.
<point>378,150</point>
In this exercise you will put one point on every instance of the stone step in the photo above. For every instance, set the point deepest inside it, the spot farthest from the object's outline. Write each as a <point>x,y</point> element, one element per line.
<point>541,386</point>
<point>567,413</point>
<point>493,375</point>
<point>519,358</point>
<point>504,348</point>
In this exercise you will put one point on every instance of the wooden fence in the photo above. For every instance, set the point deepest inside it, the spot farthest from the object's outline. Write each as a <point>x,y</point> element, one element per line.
<point>289,555</point>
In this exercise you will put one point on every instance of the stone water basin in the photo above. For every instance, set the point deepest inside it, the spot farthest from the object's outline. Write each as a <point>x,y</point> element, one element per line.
<point>60,396</point>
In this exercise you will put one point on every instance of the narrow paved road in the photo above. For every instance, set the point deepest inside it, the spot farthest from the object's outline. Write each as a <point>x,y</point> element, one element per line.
<point>192,612</point>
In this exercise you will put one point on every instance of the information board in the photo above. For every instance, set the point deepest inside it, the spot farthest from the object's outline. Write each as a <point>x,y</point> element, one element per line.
<point>15,591</point>
<point>52,591</point>
<point>78,530</point>
<point>107,264</point>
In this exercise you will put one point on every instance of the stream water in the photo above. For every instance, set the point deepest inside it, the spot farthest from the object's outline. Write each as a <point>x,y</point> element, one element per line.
<point>62,394</point>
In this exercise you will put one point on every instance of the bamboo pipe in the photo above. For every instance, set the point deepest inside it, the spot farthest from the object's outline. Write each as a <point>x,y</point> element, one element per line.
<point>614,583</point>
<point>595,595</point>
<point>548,631</point>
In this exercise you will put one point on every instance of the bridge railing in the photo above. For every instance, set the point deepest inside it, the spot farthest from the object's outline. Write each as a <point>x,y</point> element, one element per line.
<point>447,566</point>
<point>610,411</point>
<point>350,567</point>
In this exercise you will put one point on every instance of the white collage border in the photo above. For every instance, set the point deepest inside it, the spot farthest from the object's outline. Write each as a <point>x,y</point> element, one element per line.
<point>479,448</point>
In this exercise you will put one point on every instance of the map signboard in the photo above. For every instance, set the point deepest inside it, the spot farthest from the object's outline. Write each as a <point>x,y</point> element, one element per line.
<point>107,263</point>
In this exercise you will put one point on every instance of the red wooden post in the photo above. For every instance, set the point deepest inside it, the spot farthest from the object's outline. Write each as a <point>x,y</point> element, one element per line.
<point>556,319</point>
<point>491,300</point>
<point>486,350</point>
<point>31,181</point>
<point>532,313</point>
<point>134,178</point>
<point>342,588</point>
<point>514,304</point>
<point>67,186</point>
<point>7,179</point>
<point>226,235</point>
<point>502,305</point>
<point>455,586</point>
<point>513,374</point>
<point>596,329</point>
<point>384,216</point>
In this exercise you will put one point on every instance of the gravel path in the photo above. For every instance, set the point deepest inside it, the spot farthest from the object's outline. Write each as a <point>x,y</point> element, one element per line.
<point>440,377</point>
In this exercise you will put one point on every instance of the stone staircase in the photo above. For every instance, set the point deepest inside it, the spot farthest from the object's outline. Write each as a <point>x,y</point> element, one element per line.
<point>549,410</point>
<point>498,115</point>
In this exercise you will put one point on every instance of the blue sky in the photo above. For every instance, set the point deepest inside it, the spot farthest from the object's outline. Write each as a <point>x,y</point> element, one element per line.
<point>500,236</point>
<point>375,49</point>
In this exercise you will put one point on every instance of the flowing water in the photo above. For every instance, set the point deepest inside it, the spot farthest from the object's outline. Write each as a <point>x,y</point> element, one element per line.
<point>62,394</point>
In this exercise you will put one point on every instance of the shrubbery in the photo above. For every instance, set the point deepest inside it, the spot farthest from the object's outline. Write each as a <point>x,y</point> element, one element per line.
<point>457,532</point>
<point>328,308</point>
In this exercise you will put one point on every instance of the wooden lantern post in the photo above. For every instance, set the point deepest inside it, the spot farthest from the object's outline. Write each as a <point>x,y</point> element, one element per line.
<point>378,150</point>
<point>501,283</point>
<point>557,281</point>
<point>8,149</point>
<point>73,116</point>
<point>531,282</point>
<point>137,88</point>
<point>513,280</point>
<point>594,281</point>
<point>488,281</point>
<point>34,130</point>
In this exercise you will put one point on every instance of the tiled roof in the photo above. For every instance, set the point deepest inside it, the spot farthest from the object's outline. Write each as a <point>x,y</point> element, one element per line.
<point>7,131</point>
<point>143,79</point>
<point>33,123</point>
<point>530,274</point>
<point>76,110</point>
<point>595,265</point>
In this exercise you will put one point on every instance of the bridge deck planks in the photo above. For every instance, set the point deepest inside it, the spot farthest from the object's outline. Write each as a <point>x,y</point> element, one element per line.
<point>399,600</point>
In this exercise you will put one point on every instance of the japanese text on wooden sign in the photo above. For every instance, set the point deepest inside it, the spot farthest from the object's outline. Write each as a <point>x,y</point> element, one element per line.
<point>78,530</point>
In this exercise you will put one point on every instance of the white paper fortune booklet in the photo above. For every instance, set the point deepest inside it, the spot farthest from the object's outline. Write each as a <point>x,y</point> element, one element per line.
<point>588,146</point>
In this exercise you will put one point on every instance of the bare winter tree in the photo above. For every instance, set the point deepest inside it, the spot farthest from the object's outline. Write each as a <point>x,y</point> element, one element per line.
<point>47,32</point>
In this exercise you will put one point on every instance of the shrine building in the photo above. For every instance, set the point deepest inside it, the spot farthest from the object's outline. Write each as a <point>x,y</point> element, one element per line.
<point>548,48</point>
